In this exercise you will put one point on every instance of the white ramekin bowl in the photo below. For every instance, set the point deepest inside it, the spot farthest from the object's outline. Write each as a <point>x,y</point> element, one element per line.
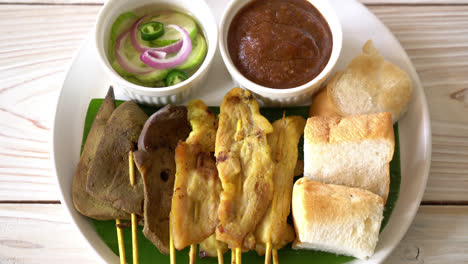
<point>198,9</point>
<point>290,96</point>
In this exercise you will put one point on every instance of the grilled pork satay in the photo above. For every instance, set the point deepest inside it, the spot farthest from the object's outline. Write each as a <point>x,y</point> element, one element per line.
<point>274,228</point>
<point>210,246</point>
<point>155,161</point>
<point>85,203</point>
<point>245,168</point>
<point>108,177</point>
<point>197,187</point>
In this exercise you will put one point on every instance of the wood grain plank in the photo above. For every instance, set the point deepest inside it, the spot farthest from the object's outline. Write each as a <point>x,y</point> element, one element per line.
<point>436,40</point>
<point>41,233</point>
<point>36,45</point>
<point>439,234</point>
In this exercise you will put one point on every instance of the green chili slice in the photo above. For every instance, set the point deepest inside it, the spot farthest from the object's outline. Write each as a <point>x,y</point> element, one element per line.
<point>175,76</point>
<point>151,30</point>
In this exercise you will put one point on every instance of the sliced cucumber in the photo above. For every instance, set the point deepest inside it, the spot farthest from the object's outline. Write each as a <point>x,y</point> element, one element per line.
<point>122,23</point>
<point>115,64</point>
<point>154,78</point>
<point>156,75</point>
<point>149,80</point>
<point>197,55</point>
<point>171,35</point>
<point>134,80</point>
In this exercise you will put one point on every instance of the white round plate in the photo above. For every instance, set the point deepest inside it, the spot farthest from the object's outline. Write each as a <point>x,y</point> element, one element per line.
<point>86,80</point>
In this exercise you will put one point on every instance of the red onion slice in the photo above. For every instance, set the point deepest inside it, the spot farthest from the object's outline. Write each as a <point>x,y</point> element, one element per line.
<point>158,54</point>
<point>142,48</point>
<point>124,61</point>
<point>150,58</point>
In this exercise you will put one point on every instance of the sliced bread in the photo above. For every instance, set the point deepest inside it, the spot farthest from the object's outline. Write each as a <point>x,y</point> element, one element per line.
<point>354,151</point>
<point>336,218</point>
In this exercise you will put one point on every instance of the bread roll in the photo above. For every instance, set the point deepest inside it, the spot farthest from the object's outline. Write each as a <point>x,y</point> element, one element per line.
<point>336,218</point>
<point>353,151</point>
<point>370,84</point>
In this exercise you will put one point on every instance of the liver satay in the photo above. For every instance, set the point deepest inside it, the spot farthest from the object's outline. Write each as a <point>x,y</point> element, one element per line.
<point>155,161</point>
<point>108,178</point>
<point>85,203</point>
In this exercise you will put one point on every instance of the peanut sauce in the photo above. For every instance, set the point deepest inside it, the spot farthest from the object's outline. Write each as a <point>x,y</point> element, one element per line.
<point>279,43</point>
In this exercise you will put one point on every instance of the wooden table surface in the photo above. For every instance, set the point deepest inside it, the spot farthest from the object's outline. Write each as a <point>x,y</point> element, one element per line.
<point>39,37</point>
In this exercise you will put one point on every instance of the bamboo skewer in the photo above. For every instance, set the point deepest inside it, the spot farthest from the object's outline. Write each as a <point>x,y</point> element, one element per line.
<point>172,248</point>
<point>275,256</point>
<point>131,172</point>
<point>131,168</point>
<point>269,250</point>
<point>233,256</point>
<point>220,255</point>
<point>120,241</point>
<point>238,256</point>
<point>135,239</point>
<point>239,136</point>
<point>193,253</point>
<point>193,247</point>
<point>268,253</point>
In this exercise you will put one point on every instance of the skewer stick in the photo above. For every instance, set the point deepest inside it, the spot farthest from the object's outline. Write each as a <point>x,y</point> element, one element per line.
<point>238,256</point>
<point>131,168</point>
<point>135,239</point>
<point>193,253</point>
<point>193,247</point>
<point>233,256</point>
<point>278,157</point>
<point>275,256</point>
<point>220,255</point>
<point>131,172</point>
<point>172,248</point>
<point>120,241</point>
<point>268,253</point>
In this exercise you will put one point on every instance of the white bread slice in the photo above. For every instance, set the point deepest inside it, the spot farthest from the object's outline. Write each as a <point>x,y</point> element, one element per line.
<point>370,84</point>
<point>354,151</point>
<point>336,218</point>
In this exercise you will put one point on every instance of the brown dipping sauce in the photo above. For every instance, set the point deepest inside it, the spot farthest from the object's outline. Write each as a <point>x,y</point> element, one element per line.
<point>279,43</point>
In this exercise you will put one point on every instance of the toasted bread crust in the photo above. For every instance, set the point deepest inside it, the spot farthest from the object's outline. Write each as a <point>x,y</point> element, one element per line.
<point>353,128</point>
<point>319,210</point>
<point>322,105</point>
<point>328,199</point>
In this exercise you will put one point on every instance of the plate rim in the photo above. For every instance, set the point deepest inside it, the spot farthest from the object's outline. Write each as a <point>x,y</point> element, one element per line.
<point>427,128</point>
<point>426,122</point>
